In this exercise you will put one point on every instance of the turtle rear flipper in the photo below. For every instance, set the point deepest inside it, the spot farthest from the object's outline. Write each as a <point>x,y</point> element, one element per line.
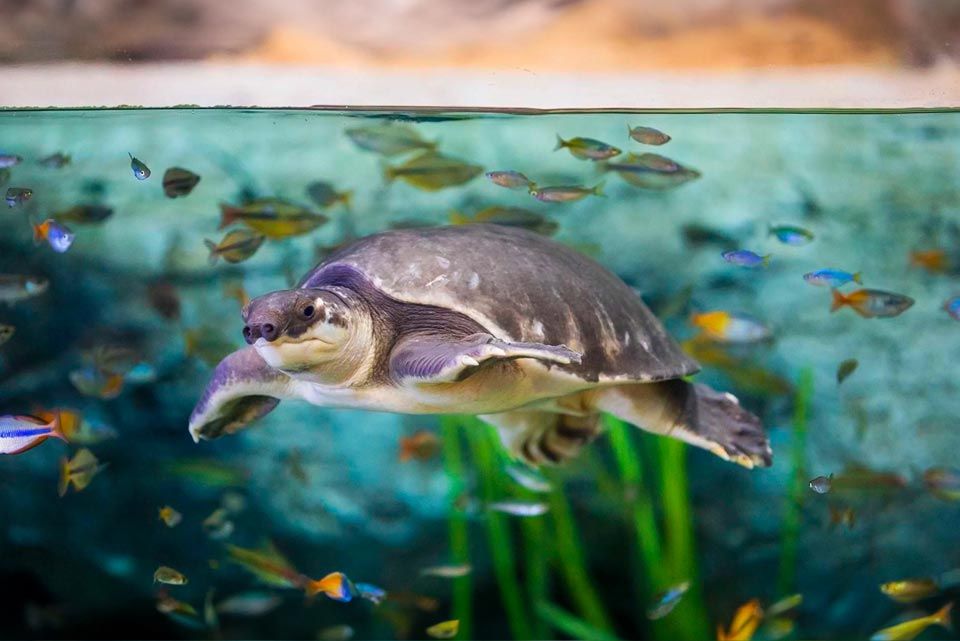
<point>447,359</point>
<point>693,413</point>
<point>243,388</point>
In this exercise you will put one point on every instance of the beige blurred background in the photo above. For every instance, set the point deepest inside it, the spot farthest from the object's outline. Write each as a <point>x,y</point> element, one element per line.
<point>537,53</point>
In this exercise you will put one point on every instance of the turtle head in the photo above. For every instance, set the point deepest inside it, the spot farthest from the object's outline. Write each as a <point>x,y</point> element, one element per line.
<point>299,330</point>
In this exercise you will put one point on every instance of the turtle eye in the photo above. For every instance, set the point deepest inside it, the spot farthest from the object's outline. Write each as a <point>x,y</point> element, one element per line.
<point>308,311</point>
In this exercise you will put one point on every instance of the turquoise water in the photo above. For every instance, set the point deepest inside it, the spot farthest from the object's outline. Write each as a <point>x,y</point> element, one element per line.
<point>630,517</point>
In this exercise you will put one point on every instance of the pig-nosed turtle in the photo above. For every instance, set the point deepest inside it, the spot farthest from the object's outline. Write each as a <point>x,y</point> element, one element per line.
<point>532,336</point>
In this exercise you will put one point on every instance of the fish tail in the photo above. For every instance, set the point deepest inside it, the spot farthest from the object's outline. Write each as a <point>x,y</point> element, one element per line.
<point>38,233</point>
<point>766,260</point>
<point>561,143</point>
<point>839,300</point>
<point>228,215</point>
<point>64,477</point>
<point>942,616</point>
<point>858,278</point>
<point>56,426</point>
<point>214,255</point>
<point>389,174</point>
<point>598,189</point>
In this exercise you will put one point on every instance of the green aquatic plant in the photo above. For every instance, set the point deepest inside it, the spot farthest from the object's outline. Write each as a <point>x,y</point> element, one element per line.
<point>571,625</point>
<point>792,516</point>
<point>455,465</point>
<point>536,566</point>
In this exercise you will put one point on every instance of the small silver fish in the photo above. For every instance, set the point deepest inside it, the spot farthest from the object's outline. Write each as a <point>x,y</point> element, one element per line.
<point>529,478</point>
<point>565,193</point>
<point>822,484</point>
<point>448,571</point>
<point>648,135</point>
<point>509,179</point>
<point>249,604</point>
<point>15,287</point>
<point>56,160</point>
<point>140,170</point>
<point>390,139</point>
<point>519,508</point>
<point>668,601</point>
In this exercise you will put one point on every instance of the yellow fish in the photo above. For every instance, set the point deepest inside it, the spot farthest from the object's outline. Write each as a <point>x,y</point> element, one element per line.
<point>268,565</point>
<point>444,629</point>
<point>78,471</point>
<point>910,590</point>
<point>237,246</point>
<point>744,624</point>
<point>912,628</point>
<point>727,327</point>
<point>272,217</point>
<point>169,516</point>
<point>432,171</point>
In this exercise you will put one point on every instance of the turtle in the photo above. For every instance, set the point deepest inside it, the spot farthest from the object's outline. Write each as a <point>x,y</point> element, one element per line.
<point>535,338</point>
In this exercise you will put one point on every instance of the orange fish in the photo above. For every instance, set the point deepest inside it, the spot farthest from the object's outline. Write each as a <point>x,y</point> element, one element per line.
<point>932,260</point>
<point>872,303</point>
<point>422,446</point>
<point>744,624</point>
<point>335,585</point>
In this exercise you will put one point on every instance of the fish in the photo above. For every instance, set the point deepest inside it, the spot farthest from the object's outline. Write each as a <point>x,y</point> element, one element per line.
<point>777,628</point>
<point>935,261</point>
<point>207,472</point>
<point>336,633</point>
<point>164,299</point>
<point>695,235</point>
<point>529,478</point>
<point>758,380</point>
<point>943,482</point>
<point>910,590</point>
<point>6,332</point>
<point>249,604</point>
<point>444,629</point>
<point>218,525</point>
<point>519,508</point>
<point>169,576</point>
<point>390,139</point>
<point>872,303</point>
<point>370,592</point>
<point>335,586</point>
<point>744,624</point>
<point>21,433</point>
<point>178,182</point>
<point>454,571</point>
<point>78,471</point>
<point>57,160</point>
<point>181,612</point>
<point>58,236</point>
<point>141,373</point>
<point>233,502</point>
<point>565,193</point>
<point>728,327</point>
<point>324,195</point>
<point>18,195</point>
<point>746,258</point>
<point>667,601</point>
<point>822,484</point>
<point>846,368</point>
<point>93,381</point>
<point>791,234</point>
<point>268,565</point>
<point>84,214</point>
<point>509,217</point>
<point>236,247</point>
<point>4,176</point>
<point>9,160</point>
<point>15,287</point>
<point>844,516</point>
<point>912,628</point>
<point>77,429</point>
<point>784,605</point>
<point>648,135</point>
<point>832,278</point>
<point>952,307</point>
<point>272,217</point>
<point>140,170</point>
<point>432,171</point>
<point>648,171</point>
<point>210,617</point>
<point>857,477</point>
<point>510,179</point>
<point>170,517</point>
<point>587,148</point>
<point>422,445</point>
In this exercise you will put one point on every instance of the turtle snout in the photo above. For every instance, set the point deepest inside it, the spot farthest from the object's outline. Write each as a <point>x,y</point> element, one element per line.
<point>253,331</point>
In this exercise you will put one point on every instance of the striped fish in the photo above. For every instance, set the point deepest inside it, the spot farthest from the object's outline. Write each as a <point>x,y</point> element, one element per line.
<point>21,433</point>
<point>178,181</point>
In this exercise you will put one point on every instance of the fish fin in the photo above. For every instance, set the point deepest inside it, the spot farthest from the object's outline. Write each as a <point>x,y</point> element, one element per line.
<point>388,173</point>
<point>228,215</point>
<point>839,300</point>
<point>406,452</point>
<point>212,246</point>
<point>858,278</point>
<point>766,260</point>
<point>943,615</point>
<point>64,482</point>
<point>561,143</point>
<point>39,234</point>
<point>598,189</point>
<point>57,427</point>
<point>458,218</point>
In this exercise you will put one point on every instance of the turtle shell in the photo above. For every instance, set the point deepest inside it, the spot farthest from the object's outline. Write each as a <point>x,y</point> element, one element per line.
<point>520,286</point>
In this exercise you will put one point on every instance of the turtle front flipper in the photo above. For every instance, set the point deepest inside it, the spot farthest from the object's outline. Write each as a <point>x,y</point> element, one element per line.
<point>442,359</point>
<point>243,388</point>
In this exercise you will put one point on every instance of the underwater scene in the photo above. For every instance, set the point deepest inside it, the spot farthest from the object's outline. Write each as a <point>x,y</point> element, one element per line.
<point>228,411</point>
